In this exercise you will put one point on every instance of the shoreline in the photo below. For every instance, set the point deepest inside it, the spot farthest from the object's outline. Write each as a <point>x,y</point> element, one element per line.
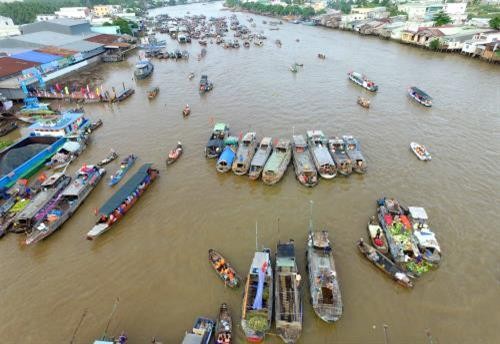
<point>454,52</point>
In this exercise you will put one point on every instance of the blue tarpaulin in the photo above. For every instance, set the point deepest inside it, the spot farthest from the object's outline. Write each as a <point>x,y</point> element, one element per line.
<point>35,56</point>
<point>257,302</point>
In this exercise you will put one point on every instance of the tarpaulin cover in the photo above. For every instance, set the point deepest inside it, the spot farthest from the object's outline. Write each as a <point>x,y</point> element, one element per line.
<point>35,56</point>
<point>257,302</point>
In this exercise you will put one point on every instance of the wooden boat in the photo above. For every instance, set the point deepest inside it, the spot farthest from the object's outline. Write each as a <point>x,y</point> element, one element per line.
<point>245,154</point>
<point>118,96</point>
<point>153,92</point>
<point>191,76</point>
<point>66,204</point>
<point>336,146</point>
<point>120,203</point>
<point>9,210</point>
<point>318,146</point>
<point>6,126</point>
<point>323,282</point>
<point>260,158</point>
<point>125,165</point>
<point>361,80</point>
<point>95,125</point>
<point>215,143</point>
<point>257,306</point>
<point>175,153</point>
<point>246,44</point>
<point>353,150</point>
<point>201,332</point>
<point>278,43</point>
<point>278,162</point>
<point>111,156</point>
<point>302,162</point>
<point>69,151</point>
<point>426,239</point>
<point>322,56</point>
<point>51,189</point>
<point>377,236</point>
<point>225,161</point>
<point>420,151</point>
<point>420,96</point>
<point>205,85</point>
<point>385,264</point>
<point>186,111</point>
<point>293,68</point>
<point>363,102</point>
<point>223,269</point>
<point>224,326</point>
<point>143,69</point>
<point>287,300</point>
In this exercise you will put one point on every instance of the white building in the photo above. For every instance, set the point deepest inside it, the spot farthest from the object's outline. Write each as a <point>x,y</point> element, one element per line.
<point>472,46</point>
<point>45,17</point>
<point>73,12</point>
<point>7,27</point>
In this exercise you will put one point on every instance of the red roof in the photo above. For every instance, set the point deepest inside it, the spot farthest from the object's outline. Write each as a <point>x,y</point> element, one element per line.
<point>10,66</point>
<point>103,39</point>
<point>57,51</point>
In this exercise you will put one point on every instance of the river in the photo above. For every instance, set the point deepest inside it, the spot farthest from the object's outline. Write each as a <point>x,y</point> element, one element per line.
<point>155,259</point>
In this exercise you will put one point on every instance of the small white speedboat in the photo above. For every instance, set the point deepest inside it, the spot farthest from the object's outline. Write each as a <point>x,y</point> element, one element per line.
<point>420,151</point>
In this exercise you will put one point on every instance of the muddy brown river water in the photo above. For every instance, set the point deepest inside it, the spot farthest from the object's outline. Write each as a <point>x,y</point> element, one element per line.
<point>155,259</point>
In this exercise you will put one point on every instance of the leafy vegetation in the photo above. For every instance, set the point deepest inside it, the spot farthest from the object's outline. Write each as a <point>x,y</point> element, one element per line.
<point>5,143</point>
<point>275,10</point>
<point>495,23</point>
<point>441,19</point>
<point>435,44</point>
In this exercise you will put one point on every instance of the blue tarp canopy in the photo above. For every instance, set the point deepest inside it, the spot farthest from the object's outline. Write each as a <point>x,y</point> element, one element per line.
<point>126,190</point>
<point>35,56</point>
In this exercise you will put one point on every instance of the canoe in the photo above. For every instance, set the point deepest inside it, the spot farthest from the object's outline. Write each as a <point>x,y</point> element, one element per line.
<point>363,102</point>
<point>224,326</point>
<point>186,111</point>
<point>95,125</point>
<point>223,269</point>
<point>111,156</point>
<point>420,96</point>
<point>420,151</point>
<point>380,242</point>
<point>385,264</point>
<point>125,165</point>
<point>175,153</point>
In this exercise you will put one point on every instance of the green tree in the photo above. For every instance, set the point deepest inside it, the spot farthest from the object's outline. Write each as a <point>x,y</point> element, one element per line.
<point>124,25</point>
<point>495,23</point>
<point>435,44</point>
<point>441,19</point>
<point>171,2</point>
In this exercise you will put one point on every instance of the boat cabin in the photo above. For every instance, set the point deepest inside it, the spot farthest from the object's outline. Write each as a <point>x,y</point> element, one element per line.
<point>300,144</point>
<point>68,123</point>
<point>337,145</point>
<point>248,138</point>
<point>317,137</point>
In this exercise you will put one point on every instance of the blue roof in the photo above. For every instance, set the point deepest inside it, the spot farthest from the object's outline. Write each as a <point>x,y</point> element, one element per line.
<point>60,123</point>
<point>35,56</point>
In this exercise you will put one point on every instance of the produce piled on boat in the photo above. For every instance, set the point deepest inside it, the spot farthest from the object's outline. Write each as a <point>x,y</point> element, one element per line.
<point>420,151</point>
<point>223,269</point>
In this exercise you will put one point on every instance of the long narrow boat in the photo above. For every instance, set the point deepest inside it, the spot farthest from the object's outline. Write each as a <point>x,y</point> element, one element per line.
<point>224,326</point>
<point>228,155</point>
<point>125,165</point>
<point>361,80</point>
<point>71,198</point>
<point>324,286</point>
<point>287,301</point>
<point>385,264</point>
<point>153,92</point>
<point>245,153</point>
<point>123,199</point>
<point>302,162</point>
<point>51,189</point>
<point>420,96</point>
<point>336,145</point>
<point>260,158</point>
<point>111,157</point>
<point>277,164</point>
<point>353,149</point>
<point>318,146</point>
<point>201,332</point>
<point>257,307</point>
<point>223,269</point>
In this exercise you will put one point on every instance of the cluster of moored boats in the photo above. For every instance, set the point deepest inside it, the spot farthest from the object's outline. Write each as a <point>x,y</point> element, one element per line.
<point>312,156</point>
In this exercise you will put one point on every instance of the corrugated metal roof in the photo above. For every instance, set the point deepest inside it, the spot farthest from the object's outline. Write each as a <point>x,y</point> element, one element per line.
<point>9,66</point>
<point>57,51</point>
<point>68,22</point>
<point>47,38</point>
<point>82,46</point>
<point>103,38</point>
<point>35,56</point>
